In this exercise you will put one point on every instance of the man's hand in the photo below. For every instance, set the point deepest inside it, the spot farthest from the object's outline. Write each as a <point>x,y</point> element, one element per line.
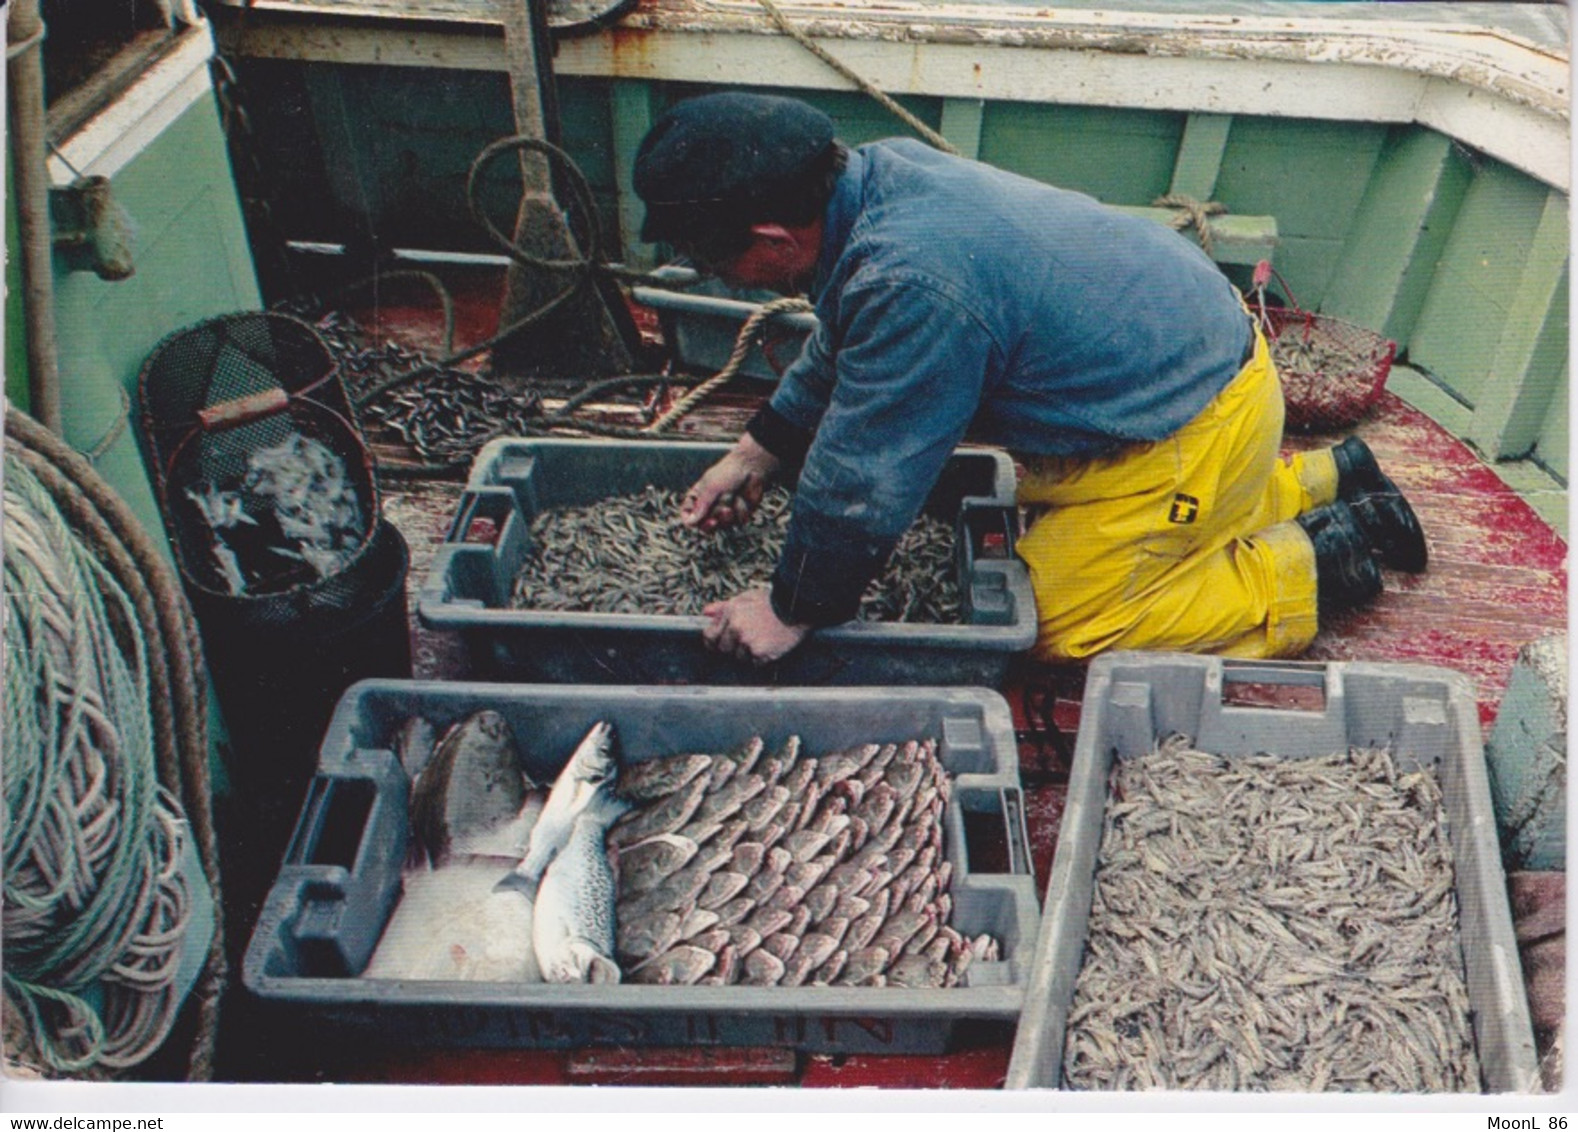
<point>746,627</point>
<point>730,490</point>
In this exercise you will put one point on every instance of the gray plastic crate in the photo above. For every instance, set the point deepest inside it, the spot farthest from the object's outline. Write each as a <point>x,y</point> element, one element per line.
<point>341,878</point>
<point>468,585</point>
<point>1428,716</point>
<point>703,321</point>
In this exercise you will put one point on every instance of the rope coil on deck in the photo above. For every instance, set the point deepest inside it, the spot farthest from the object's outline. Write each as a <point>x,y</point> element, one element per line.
<point>105,762</point>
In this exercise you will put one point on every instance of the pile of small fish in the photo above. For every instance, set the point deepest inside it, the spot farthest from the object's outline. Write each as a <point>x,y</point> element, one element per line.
<point>443,416</point>
<point>295,504</point>
<point>631,554</point>
<point>780,869</point>
<point>1326,381</point>
<point>1272,923</point>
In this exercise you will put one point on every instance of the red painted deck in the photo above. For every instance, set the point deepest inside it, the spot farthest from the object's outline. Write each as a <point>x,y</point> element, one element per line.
<point>1497,580</point>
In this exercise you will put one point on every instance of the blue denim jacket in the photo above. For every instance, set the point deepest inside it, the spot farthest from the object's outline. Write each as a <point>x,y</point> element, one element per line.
<point>949,293</point>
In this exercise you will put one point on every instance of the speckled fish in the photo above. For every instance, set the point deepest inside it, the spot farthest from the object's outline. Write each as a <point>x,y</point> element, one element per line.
<point>587,777</point>
<point>573,921</point>
<point>472,784</point>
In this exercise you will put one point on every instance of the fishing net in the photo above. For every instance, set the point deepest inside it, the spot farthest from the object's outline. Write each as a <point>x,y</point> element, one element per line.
<point>1332,371</point>
<point>263,478</point>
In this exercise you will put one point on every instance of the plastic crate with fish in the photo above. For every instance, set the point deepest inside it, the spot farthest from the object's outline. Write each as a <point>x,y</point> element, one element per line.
<point>1276,876</point>
<point>642,563</point>
<point>835,870</point>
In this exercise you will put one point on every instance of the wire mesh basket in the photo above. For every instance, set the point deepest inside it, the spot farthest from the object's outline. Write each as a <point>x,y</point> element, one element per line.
<point>263,478</point>
<point>1332,371</point>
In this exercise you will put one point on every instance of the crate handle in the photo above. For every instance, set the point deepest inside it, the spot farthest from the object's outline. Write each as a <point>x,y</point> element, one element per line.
<point>980,519</point>
<point>475,503</point>
<point>1013,803</point>
<point>463,516</point>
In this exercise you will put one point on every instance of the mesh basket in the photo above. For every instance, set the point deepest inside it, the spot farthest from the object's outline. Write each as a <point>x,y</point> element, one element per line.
<point>263,478</point>
<point>1332,371</point>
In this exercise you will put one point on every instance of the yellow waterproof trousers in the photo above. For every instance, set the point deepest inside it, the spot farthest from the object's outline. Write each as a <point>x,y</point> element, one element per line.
<point>1184,543</point>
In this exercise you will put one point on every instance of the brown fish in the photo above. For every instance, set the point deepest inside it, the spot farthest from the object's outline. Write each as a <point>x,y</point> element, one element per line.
<point>721,888</point>
<point>720,805</point>
<point>764,807</point>
<point>747,857</point>
<point>679,966</point>
<point>917,972</point>
<point>642,937</point>
<point>761,968</point>
<point>744,939</point>
<point>804,844</point>
<point>651,779</point>
<point>821,900</point>
<point>767,921</point>
<point>863,965</point>
<point>898,930</point>
<point>735,911</point>
<point>828,972</point>
<point>667,815</point>
<point>726,970</point>
<point>780,944</point>
<point>644,865</point>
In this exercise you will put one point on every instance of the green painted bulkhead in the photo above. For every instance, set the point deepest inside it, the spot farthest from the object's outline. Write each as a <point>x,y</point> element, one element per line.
<point>192,261</point>
<point>1459,257</point>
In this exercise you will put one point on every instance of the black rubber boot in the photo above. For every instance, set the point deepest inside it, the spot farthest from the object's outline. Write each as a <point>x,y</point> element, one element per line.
<point>1379,508</point>
<point>1346,575</point>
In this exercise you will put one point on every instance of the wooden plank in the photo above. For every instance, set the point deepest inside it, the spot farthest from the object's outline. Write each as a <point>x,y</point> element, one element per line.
<point>1199,159</point>
<point>1402,223</point>
<point>1234,239</point>
<point>632,110</point>
<point>1312,177</point>
<point>1118,156</point>
<point>961,124</point>
<point>1463,317</point>
<point>1522,378</point>
<point>1551,447</point>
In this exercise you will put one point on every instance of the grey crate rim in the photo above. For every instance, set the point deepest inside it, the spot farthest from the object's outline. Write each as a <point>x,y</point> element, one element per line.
<point>342,748</point>
<point>1038,1042</point>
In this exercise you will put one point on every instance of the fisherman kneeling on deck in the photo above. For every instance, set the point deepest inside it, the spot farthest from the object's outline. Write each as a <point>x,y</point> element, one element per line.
<point>1107,352</point>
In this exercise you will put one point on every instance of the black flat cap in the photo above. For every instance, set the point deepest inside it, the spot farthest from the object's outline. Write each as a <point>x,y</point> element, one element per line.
<point>717,152</point>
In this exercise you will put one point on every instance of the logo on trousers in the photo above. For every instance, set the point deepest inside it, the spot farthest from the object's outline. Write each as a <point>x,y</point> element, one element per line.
<point>1185,509</point>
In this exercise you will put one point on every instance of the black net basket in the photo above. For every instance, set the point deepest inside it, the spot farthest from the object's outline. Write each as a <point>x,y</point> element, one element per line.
<point>263,478</point>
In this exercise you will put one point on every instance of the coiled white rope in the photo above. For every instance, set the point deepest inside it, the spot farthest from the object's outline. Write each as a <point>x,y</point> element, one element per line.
<point>95,901</point>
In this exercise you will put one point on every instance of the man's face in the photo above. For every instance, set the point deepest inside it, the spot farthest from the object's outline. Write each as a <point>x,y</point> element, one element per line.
<point>775,259</point>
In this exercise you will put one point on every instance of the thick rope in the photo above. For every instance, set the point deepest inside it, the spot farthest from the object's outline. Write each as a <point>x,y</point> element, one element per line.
<point>1190,213</point>
<point>800,37</point>
<point>175,667</point>
<point>94,896</point>
<point>743,342</point>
